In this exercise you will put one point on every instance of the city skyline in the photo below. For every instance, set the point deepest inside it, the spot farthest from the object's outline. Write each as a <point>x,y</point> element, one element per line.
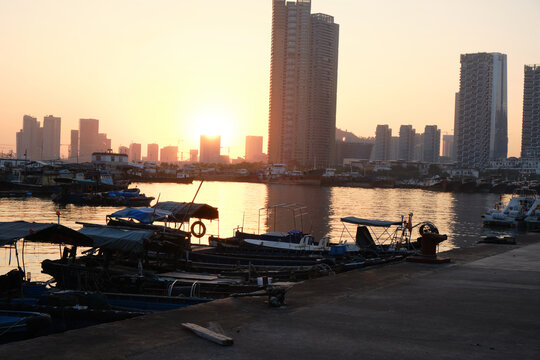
<point>147,80</point>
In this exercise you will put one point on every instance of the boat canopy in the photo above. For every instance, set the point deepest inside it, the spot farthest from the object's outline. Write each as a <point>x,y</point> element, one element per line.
<point>143,215</point>
<point>12,231</point>
<point>124,240</point>
<point>366,222</point>
<point>182,211</point>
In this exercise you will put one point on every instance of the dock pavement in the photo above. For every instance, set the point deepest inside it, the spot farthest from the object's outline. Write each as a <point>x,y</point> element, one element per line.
<point>485,304</point>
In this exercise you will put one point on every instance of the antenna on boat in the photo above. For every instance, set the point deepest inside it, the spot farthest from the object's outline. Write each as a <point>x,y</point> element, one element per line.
<point>155,205</point>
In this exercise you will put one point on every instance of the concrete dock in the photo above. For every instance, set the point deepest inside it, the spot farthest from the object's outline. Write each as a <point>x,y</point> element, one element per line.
<point>485,304</point>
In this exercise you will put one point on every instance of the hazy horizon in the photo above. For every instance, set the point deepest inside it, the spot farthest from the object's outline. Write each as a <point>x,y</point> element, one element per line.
<point>166,71</point>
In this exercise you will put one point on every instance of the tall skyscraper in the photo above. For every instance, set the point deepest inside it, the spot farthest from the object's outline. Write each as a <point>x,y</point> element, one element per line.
<point>134,152</point>
<point>88,139</point>
<point>51,138</point>
<point>74,146</point>
<point>448,146</point>
<point>152,152</point>
<point>104,143</point>
<point>432,144</point>
<point>530,136</point>
<point>481,131</point>
<point>383,140</point>
<point>210,149</point>
<point>456,127</point>
<point>193,155</point>
<point>169,154</point>
<point>406,142</point>
<point>321,139</point>
<point>394,148</point>
<point>303,85</point>
<point>30,139</point>
<point>254,146</point>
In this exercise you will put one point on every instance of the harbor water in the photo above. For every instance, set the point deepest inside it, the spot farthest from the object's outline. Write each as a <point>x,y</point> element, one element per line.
<point>318,210</point>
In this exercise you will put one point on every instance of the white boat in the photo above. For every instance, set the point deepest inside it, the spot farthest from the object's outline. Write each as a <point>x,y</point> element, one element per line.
<point>306,243</point>
<point>532,218</point>
<point>523,202</point>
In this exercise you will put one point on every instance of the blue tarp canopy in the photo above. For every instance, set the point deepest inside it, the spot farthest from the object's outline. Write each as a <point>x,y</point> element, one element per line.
<point>143,215</point>
<point>113,238</point>
<point>12,231</point>
<point>366,222</point>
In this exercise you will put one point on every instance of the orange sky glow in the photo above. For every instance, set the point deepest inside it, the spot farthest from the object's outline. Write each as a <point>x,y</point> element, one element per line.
<point>165,71</point>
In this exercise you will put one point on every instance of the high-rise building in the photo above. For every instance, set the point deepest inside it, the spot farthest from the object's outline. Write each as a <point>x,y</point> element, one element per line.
<point>481,133</point>
<point>383,140</point>
<point>193,155</point>
<point>51,138</point>
<point>456,127</point>
<point>432,144</point>
<point>394,148</point>
<point>323,91</point>
<point>88,139</point>
<point>74,146</point>
<point>254,146</point>
<point>530,136</point>
<point>104,143</point>
<point>30,139</point>
<point>406,142</point>
<point>303,85</point>
<point>134,152</point>
<point>152,152</point>
<point>418,147</point>
<point>448,146</point>
<point>210,148</point>
<point>169,154</point>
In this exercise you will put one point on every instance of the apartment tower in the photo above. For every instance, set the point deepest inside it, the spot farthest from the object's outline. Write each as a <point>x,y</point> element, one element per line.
<point>152,152</point>
<point>530,136</point>
<point>383,141</point>
<point>51,138</point>
<point>210,149</point>
<point>303,85</point>
<point>88,138</point>
<point>432,144</point>
<point>480,132</point>
<point>406,143</point>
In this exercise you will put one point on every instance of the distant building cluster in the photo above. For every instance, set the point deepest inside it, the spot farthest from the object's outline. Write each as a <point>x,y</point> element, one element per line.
<point>34,142</point>
<point>480,138</point>
<point>408,146</point>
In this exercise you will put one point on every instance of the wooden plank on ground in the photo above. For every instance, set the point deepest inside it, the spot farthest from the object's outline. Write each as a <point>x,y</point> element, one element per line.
<point>209,334</point>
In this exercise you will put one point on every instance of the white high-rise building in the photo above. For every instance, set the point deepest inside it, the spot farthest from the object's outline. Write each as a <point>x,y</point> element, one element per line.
<point>481,132</point>
<point>530,136</point>
<point>383,142</point>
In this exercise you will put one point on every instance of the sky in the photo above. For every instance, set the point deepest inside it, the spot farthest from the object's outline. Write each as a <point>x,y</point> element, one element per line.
<point>165,71</point>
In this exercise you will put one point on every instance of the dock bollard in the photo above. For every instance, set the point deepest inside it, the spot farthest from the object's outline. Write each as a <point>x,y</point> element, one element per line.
<point>428,249</point>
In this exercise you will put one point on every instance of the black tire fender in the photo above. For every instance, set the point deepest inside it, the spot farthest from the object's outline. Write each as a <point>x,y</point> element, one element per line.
<point>201,229</point>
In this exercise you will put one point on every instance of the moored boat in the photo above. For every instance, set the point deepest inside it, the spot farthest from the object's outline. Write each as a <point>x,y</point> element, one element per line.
<point>513,213</point>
